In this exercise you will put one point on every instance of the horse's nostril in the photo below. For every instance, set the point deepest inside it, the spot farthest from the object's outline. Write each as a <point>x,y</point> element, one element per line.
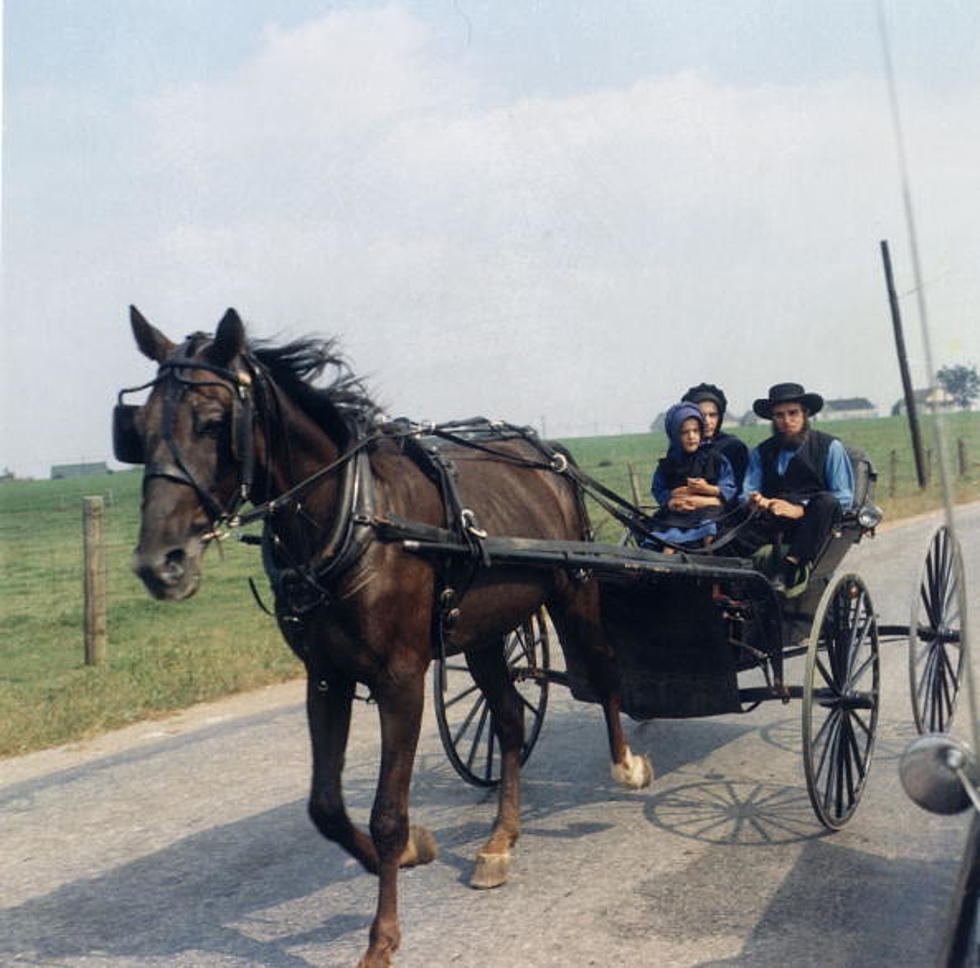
<point>173,567</point>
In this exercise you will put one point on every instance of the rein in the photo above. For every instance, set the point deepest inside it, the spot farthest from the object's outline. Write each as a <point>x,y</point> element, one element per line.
<point>262,511</point>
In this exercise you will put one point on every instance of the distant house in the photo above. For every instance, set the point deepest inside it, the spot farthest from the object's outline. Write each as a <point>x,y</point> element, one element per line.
<point>847,408</point>
<point>749,419</point>
<point>61,471</point>
<point>925,400</point>
<point>659,422</point>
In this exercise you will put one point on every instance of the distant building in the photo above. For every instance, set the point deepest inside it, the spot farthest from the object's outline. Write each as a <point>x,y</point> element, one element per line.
<point>749,419</point>
<point>61,471</point>
<point>659,422</point>
<point>925,400</point>
<point>848,408</point>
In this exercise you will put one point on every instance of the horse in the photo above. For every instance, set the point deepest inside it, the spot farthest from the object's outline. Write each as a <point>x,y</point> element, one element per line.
<point>232,424</point>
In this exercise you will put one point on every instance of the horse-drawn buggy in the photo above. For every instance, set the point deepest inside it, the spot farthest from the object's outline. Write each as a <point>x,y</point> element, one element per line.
<point>702,634</point>
<point>392,547</point>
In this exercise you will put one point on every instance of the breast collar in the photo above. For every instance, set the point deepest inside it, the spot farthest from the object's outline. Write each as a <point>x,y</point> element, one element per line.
<point>300,587</point>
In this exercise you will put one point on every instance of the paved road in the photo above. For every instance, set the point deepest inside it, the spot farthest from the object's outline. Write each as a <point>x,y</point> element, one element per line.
<point>185,842</point>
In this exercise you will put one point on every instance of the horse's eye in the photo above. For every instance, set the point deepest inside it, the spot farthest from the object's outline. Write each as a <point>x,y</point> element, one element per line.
<point>210,426</point>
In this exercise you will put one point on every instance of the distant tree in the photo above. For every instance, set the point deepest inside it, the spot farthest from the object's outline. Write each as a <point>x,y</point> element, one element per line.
<point>961,382</point>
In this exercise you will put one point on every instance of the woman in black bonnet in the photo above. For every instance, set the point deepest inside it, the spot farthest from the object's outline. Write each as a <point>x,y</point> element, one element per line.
<point>692,483</point>
<point>713,404</point>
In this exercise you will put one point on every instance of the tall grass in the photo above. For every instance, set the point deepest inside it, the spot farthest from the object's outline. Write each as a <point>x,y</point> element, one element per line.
<point>165,657</point>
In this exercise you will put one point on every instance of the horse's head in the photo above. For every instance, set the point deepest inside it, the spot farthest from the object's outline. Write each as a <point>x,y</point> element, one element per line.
<point>195,436</point>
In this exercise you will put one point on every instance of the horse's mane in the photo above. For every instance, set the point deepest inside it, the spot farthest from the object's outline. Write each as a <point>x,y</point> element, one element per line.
<point>343,406</point>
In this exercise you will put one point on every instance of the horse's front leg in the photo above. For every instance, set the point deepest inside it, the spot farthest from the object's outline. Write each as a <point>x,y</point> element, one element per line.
<point>328,709</point>
<point>400,703</point>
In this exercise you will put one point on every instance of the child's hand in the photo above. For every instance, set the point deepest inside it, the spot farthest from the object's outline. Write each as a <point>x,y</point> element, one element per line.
<point>698,485</point>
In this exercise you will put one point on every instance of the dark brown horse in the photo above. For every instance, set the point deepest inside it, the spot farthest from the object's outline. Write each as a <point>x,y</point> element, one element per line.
<point>228,422</point>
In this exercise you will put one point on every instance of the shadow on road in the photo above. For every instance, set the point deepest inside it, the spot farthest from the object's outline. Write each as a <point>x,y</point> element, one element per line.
<point>185,897</point>
<point>865,918</point>
<point>216,892</point>
<point>736,813</point>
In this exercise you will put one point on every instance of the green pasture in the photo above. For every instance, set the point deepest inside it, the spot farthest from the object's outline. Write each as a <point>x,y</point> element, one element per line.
<point>166,657</point>
<point>161,657</point>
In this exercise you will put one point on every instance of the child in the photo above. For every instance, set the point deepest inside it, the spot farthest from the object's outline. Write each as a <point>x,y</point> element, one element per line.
<point>692,483</point>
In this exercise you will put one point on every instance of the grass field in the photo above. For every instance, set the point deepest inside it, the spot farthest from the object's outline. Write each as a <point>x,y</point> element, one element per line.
<point>165,657</point>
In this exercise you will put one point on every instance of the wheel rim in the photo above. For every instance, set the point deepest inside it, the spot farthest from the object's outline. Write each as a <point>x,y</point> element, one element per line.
<point>935,651</point>
<point>465,722</point>
<point>840,700</point>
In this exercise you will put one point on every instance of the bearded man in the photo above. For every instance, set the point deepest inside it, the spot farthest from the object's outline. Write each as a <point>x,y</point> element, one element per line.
<point>800,479</point>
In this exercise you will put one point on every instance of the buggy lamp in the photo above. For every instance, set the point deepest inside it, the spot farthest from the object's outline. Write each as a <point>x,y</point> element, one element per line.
<point>870,516</point>
<point>940,774</point>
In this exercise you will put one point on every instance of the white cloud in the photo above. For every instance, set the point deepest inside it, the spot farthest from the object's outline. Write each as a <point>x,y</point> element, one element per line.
<point>583,257</point>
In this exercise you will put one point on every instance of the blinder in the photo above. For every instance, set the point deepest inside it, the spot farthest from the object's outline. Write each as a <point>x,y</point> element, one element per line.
<point>127,443</point>
<point>129,448</point>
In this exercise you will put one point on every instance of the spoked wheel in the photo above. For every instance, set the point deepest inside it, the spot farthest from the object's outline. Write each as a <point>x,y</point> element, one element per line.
<point>935,651</point>
<point>464,718</point>
<point>840,700</point>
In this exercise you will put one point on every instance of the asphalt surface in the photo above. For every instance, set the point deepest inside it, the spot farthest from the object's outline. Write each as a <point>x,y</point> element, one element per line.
<point>185,842</point>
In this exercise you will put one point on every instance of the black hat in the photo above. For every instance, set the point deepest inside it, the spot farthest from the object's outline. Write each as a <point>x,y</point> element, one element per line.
<point>787,393</point>
<point>707,391</point>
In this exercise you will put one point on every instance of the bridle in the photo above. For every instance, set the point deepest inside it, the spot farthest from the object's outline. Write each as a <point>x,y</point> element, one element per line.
<point>129,448</point>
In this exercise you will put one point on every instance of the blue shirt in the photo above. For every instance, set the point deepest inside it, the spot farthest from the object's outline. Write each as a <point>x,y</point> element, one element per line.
<point>837,471</point>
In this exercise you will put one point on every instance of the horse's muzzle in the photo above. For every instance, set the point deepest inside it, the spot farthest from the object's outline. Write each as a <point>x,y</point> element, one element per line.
<point>169,576</point>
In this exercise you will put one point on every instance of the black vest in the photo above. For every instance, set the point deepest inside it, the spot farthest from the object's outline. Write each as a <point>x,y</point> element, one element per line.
<point>804,475</point>
<point>737,453</point>
<point>676,469</point>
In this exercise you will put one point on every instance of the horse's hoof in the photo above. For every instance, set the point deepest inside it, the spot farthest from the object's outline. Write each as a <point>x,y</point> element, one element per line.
<point>377,957</point>
<point>492,870</point>
<point>420,849</point>
<point>635,772</point>
<point>375,961</point>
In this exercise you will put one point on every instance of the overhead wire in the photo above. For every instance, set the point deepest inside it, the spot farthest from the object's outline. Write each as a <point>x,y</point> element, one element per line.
<point>936,416</point>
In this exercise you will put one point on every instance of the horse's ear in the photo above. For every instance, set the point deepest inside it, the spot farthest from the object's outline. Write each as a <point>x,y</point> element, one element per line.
<point>149,339</point>
<point>229,340</point>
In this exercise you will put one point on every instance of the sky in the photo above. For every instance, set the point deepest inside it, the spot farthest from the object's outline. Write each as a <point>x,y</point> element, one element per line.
<point>554,213</point>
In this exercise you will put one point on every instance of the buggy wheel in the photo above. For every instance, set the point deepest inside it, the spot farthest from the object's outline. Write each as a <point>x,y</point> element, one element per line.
<point>840,700</point>
<point>935,650</point>
<point>465,722</point>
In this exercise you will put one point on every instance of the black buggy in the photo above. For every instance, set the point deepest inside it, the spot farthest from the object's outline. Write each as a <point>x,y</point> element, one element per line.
<point>702,634</point>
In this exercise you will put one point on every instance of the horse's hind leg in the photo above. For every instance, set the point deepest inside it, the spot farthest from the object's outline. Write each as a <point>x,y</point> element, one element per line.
<point>575,613</point>
<point>489,668</point>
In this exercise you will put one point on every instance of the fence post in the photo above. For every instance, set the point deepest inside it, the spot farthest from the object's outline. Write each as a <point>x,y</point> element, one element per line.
<point>93,519</point>
<point>634,483</point>
<point>892,472</point>
<point>961,455</point>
